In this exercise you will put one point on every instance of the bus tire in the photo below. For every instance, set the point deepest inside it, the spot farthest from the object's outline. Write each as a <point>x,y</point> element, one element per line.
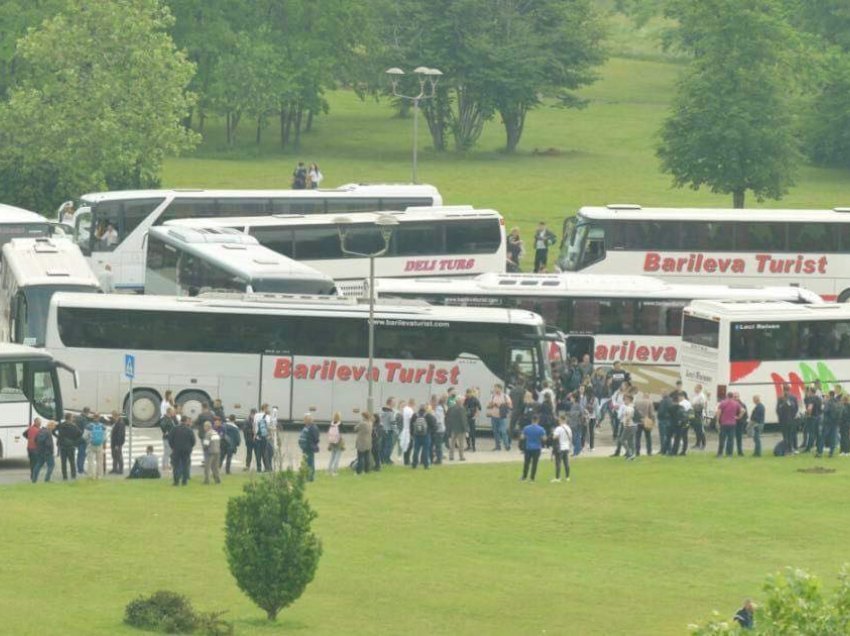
<point>145,407</point>
<point>190,403</point>
<point>844,296</point>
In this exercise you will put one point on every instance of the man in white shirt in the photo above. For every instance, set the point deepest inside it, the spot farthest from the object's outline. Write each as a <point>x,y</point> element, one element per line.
<point>698,402</point>
<point>615,404</point>
<point>405,440</point>
<point>629,426</point>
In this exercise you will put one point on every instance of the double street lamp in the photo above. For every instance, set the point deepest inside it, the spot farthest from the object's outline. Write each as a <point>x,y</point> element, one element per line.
<point>428,78</point>
<point>386,224</point>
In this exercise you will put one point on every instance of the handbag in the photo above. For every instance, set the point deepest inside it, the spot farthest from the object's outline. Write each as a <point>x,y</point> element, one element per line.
<point>522,444</point>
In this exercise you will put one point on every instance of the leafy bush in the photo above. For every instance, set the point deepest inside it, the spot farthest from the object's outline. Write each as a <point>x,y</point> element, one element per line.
<point>172,613</point>
<point>270,549</point>
<point>795,604</point>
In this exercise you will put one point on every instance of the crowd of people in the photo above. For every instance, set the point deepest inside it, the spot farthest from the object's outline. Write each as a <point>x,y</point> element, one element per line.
<point>563,416</point>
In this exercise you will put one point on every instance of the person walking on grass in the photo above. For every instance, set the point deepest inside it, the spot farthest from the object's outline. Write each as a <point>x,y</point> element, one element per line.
<point>457,426</point>
<point>182,441</point>
<point>44,452</point>
<point>532,439</point>
<point>363,442</point>
<point>308,442</point>
<point>212,453</point>
<point>335,444</point>
<point>562,442</point>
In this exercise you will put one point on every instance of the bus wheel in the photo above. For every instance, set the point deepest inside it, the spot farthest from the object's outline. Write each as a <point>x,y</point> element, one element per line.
<point>191,402</point>
<point>145,407</point>
<point>844,296</point>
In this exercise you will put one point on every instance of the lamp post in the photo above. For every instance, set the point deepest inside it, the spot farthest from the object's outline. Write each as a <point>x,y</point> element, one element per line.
<point>386,224</point>
<point>428,78</point>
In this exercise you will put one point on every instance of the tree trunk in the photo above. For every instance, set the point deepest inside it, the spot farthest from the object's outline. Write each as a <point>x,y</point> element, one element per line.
<point>228,129</point>
<point>435,111</point>
<point>283,115</point>
<point>469,121</point>
<point>272,614</point>
<point>298,115</point>
<point>259,129</point>
<point>309,126</point>
<point>514,121</point>
<point>738,198</point>
<point>202,119</point>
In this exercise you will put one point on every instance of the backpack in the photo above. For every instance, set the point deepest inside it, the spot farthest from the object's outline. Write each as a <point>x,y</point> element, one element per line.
<point>42,441</point>
<point>98,434</point>
<point>420,426</point>
<point>262,428</point>
<point>304,439</point>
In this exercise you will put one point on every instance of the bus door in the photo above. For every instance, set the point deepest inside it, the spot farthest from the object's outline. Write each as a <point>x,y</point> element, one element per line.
<point>578,346</point>
<point>276,387</point>
<point>525,363</point>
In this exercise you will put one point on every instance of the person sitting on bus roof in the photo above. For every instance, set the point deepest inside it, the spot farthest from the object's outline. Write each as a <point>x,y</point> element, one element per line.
<point>146,466</point>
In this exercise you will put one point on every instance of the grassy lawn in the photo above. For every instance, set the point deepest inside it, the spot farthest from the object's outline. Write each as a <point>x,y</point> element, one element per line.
<point>641,548</point>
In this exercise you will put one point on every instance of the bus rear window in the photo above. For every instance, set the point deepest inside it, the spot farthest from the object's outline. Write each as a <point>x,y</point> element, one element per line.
<point>700,331</point>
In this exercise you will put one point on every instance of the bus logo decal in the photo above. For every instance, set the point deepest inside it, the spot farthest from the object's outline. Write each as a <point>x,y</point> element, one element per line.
<point>331,370</point>
<point>822,373</point>
<point>699,263</point>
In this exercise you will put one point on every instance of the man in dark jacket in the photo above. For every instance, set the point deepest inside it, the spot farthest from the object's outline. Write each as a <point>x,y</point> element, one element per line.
<point>116,442</point>
<point>457,426</point>
<point>182,441</point>
<point>308,442</point>
<point>166,425</point>
<point>786,411</point>
<point>420,428</point>
<point>69,436</point>
<point>44,451</point>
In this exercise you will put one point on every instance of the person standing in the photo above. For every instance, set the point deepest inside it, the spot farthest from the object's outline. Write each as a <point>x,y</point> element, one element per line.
<point>363,442</point>
<point>562,442</point>
<point>457,425</point>
<point>388,423</point>
<point>117,437</point>
<point>473,408</point>
<point>787,408</point>
<point>249,433</point>
<point>212,453</point>
<point>230,441</point>
<point>814,414</point>
<point>314,176</point>
<point>423,423</point>
<point>533,437</point>
<point>69,437</point>
<point>440,432</point>
<point>377,442</point>
<point>728,412</point>
<point>44,452</point>
<point>832,416</point>
<point>544,238</point>
<point>82,446</point>
<point>740,425</point>
<point>517,395</point>
<point>628,425</point>
<point>498,410</point>
<point>589,405</point>
<point>181,439</point>
<point>698,402</point>
<point>96,443</point>
<point>844,426</point>
<point>32,446</point>
<point>308,442</point>
<point>666,409</point>
<point>299,177</point>
<point>167,423</point>
<point>514,251</point>
<point>263,439</point>
<point>757,424</point>
<point>645,416</point>
<point>335,444</point>
<point>405,441</point>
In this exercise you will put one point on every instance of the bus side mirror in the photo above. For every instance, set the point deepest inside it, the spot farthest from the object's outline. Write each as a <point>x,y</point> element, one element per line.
<point>76,379</point>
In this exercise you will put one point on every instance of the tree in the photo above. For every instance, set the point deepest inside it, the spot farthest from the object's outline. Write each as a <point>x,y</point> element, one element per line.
<point>97,103</point>
<point>795,604</point>
<point>270,548</point>
<point>733,121</point>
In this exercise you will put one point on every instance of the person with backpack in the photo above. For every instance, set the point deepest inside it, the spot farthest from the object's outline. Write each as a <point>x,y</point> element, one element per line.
<point>182,441</point>
<point>299,177</point>
<point>44,452</point>
<point>388,423</point>
<point>423,423</point>
<point>335,444</point>
<point>230,442</point>
<point>96,434</point>
<point>562,442</point>
<point>167,423</point>
<point>31,434</point>
<point>363,442</point>
<point>117,437</point>
<point>262,440</point>
<point>249,431</point>
<point>308,442</point>
<point>498,410</point>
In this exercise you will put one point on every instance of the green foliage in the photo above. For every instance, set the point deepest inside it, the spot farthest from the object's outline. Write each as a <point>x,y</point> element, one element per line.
<point>796,604</point>
<point>271,551</point>
<point>162,611</point>
<point>97,104</point>
<point>733,125</point>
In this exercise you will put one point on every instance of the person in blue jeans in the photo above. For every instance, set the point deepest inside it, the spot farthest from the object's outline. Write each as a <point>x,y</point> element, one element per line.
<point>533,436</point>
<point>422,437</point>
<point>832,410</point>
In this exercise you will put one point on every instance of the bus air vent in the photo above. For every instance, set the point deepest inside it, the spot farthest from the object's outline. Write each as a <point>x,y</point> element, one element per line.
<point>623,206</point>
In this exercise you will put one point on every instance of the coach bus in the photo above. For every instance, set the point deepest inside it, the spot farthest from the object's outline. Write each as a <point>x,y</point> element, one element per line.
<point>110,227</point>
<point>295,353</point>
<point>704,246</point>
<point>189,262</point>
<point>21,223</point>
<point>32,270</point>
<point>29,388</point>
<point>632,319</point>
<point>755,348</point>
<point>445,241</point>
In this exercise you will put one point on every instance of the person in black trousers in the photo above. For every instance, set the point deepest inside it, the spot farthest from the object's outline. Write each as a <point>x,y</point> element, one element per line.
<point>740,425</point>
<point>116,443</point>
<point>69,436</point>
<point>182,441</point>
<point>787,408</point>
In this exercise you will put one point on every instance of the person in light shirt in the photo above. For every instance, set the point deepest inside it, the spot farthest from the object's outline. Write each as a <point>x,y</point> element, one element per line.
<point>698,401</point>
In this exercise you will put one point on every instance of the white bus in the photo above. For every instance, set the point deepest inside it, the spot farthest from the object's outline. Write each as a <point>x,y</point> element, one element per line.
<point>447,241</point>
<point>32,270</point>
<point>749,247</point>
<point>29,388</point>
<point>293,353</point>
<point>21,223</point>
<point>122,219</point>
<point>189,262</point>
<point>633,319</point>
<point>754,348</point>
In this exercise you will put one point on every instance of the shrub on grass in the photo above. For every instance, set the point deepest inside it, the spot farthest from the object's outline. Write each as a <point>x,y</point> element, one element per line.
<point>172,613</point>
<point>270,548</point>
<point>795,604</point>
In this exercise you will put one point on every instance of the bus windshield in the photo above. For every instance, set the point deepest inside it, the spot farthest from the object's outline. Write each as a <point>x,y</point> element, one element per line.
<point>586,247</point>
<point>31,308</point>
<point>8,231</point>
